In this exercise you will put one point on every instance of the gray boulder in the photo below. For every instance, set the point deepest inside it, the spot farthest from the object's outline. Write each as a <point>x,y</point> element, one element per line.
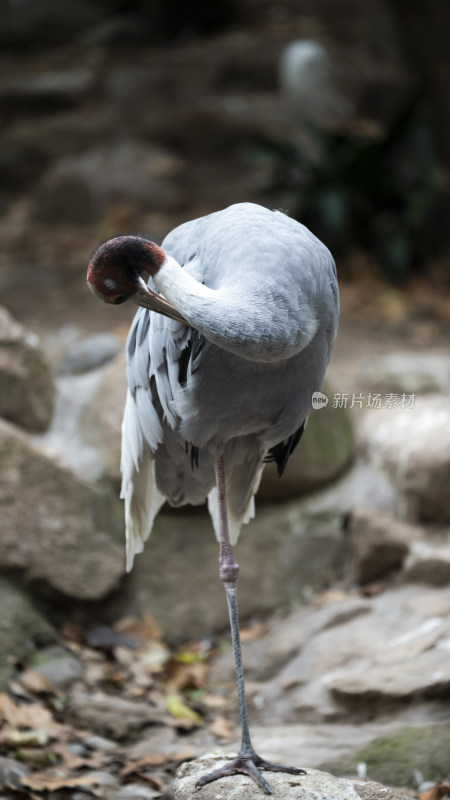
<point>413,446</point>
<point>389,652</point>
<point>315,785</point>
<point>26,383</point>
<point>55,527</point>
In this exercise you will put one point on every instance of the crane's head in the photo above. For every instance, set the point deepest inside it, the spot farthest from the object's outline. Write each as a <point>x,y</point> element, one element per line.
<point>115,271</point>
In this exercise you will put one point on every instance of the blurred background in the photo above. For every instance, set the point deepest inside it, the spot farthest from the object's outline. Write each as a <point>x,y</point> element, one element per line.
<point>133,117</point>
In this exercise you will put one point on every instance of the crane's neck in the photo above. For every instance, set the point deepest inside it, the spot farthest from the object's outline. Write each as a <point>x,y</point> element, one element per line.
<point>251,326</point>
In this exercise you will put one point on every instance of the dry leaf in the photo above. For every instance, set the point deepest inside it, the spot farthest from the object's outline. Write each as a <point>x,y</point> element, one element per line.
<point>215,701</point>
<point>146,628</point>
<point>221,728</point>
<point>437,792</point>
<point>57,778</point>
<point>73,632</point>
<point>13,737</point>
<point>35,755</point>
<point>26,716</point>
<point>152,760</point>
<point>186,675</point>
<point>36,683</point>
<point>253,632</point>
<point>178,709</point>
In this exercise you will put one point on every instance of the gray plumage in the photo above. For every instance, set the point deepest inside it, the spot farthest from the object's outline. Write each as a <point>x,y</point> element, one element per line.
<point>238,380</point>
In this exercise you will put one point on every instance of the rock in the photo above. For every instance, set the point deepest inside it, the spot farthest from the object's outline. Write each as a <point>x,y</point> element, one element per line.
<point>392,653</point>
<point>26,382</point>
<point>413,445</point>
<point>137,791</point>
<point>57,665</point>
<point>22,627</point>
<point>408,372</point>
<point>429,562</point>
<point>56,528</point>
<point>379,543</point>
<point>314,785</point>
<point>266,656</point>
<point>399,756</point>
<point>89,353</point>
<point>11,772</point>
<point>325,451</point>
<point>384,686</point>
<point>284,555</point>
<point>78,189</point>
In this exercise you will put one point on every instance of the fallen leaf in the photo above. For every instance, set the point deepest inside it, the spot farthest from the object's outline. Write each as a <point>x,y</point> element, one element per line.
<point>152,760</point>
<point>73,632</point>
<point>215,701</point>
<point>221,728</point>
<point>57,778</point>
<point>437,792</point>
<point>14,737</point>
<point>186,675</point>
<point>253,632</point>
<point>156,781</point>
<point>146,628</point>
<point>36,755</point>
<point>189,656</point>
<point>178,709</point>
<point>36,683</point>
<point>27,716</point>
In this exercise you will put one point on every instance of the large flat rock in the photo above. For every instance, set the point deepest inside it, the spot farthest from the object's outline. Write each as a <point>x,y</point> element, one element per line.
<point>56,528</point>
<point>351,659</point>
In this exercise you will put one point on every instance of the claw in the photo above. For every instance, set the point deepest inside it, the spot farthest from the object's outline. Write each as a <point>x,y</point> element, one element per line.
<point>250,766</point>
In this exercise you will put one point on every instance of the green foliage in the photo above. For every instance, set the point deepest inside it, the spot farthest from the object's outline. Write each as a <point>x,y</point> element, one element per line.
<point>373,188</point>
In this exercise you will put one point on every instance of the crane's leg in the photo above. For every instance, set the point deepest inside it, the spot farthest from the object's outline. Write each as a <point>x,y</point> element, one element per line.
<point>247,762</point>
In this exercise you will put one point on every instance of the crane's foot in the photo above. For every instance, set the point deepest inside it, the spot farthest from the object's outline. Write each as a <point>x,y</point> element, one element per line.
<point>248,765</point>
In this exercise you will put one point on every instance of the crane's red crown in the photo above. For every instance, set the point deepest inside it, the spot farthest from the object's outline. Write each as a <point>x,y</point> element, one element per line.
<point>115,268</point>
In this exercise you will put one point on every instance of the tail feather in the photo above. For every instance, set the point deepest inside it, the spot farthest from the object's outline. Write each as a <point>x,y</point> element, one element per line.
<point>142,497</point>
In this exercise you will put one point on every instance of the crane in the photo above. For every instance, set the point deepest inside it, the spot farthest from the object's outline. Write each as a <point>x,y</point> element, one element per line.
<point>237,318</point>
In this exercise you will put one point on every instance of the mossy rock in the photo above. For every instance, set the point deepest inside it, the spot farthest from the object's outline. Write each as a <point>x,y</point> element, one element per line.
<point>394,759</point>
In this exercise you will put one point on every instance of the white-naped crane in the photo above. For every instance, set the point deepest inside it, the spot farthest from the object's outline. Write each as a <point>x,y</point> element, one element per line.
<point>220,379</point>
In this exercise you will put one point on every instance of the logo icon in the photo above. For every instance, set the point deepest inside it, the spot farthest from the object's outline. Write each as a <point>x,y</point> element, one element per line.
<point>319,400</point>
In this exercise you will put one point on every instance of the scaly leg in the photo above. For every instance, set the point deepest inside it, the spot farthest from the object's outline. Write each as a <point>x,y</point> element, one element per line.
<point>247,761</point>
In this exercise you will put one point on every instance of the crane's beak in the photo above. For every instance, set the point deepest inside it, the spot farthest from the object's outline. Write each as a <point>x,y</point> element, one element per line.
<point>147,298</point>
